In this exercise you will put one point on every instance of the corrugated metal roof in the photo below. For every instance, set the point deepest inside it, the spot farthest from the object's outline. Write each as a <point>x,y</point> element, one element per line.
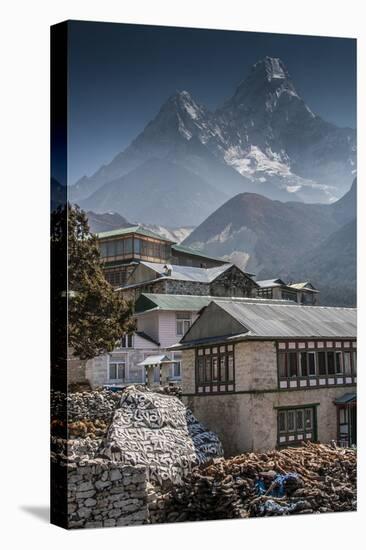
<point>302,286</point>
<point>187,273</point>
<point>285,321</point>
<point>270,282</point>
<point>153,360</point>
<point>194,252</point>
<point>180,302</point>
<point>346,398</point>
<point>135,229</point>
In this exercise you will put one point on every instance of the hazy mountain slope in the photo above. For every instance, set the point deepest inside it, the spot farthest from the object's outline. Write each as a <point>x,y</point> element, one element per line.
<point>291,240</point>
<point>106,221</point>
<point>332,267</point>
<point>158,190</point>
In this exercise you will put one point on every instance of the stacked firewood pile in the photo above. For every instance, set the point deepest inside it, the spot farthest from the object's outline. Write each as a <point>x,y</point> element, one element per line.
<point>312,478</point>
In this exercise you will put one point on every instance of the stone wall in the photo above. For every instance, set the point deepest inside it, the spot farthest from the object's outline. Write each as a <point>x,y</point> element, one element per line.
<point>105,494</point>
<point>233,282</point>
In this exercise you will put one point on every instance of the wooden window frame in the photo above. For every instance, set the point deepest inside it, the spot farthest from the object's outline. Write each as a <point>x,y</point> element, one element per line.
<point>219,381</point>
<point>297,434</point>
<point>330,348</point>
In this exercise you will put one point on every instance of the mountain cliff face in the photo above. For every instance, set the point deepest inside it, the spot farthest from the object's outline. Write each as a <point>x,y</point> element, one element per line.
<point>264,139</point>
<point>291,240</point>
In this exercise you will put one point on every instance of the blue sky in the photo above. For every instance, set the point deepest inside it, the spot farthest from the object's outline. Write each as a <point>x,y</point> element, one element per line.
<point>119,75</point>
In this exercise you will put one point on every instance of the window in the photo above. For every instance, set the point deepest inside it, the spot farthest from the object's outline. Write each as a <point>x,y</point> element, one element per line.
<point>303,363</point>
<point>339,362</point>
<point>312,363</point>
<point>183,321</point>
<point>321,363</point>
<point>354,355</point>
<point>330,362</point>
<point>176,366</point>
<point>322,367</point>
<point>288,295</point>
<point>127,341</point>
<point>119,247</point>
<point>215,369</point>
<point>137,245</point>
<point>265,293</point>
<point>347,363</point>
<point>117,371</point>
<point>292,357</point>
<point>296,425</point>
<point>128,246</point>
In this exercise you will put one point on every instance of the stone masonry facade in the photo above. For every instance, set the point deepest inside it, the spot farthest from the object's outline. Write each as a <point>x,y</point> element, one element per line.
<point>247,419</point>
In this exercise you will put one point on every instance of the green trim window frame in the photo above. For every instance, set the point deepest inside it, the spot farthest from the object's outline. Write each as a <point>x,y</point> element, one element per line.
<point>296,424</point>
<point>215,369</point>
<point>318,363</point>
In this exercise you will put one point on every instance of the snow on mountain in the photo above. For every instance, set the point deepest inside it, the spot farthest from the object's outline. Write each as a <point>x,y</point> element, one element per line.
<point>265,133</point>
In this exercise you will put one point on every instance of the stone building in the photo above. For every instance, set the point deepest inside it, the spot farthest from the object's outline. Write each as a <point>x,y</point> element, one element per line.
<point>154,278</point>
<point>302,293</point>
<point>162,320</point>
<point>271,374</point>
<point>121,249</point>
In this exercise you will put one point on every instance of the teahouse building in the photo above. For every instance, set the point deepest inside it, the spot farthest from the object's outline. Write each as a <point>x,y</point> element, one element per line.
<point>271,374</point>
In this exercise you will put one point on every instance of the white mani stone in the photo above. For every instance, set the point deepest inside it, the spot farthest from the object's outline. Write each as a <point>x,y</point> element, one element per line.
<point>329,344</point>
<point>311,345</point>
<point>339,380</point>
<point>282,439</point>
<point>282,345</point>
<point>308,436</point>
<point>301,344</point>
<point>346,344</point>
<point>348,380</point>
<point>338,344</point>
<point>330,380</point>
<point>303,382</point>
<point>292,345</point>
<point>291,437</point>
<point>322,382</point>
<point>293,384</point>
<point>283,384</point>
<point>312,382</point>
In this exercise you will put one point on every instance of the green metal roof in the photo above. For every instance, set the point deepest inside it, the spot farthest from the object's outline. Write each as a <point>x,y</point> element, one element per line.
<point>194,252</point>
<point>135,230</point>
<point>184,302</point>
<point>346,398</point>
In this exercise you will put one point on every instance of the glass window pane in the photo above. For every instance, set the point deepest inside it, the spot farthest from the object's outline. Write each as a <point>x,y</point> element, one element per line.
<point>347,362</point>
<point>292,364</point>
<point>282,365</point>
<point>354,356</point>
<point>321,363</point>
<point>311,364</point>
<point>201,377</point>
<point>119,247</point>
<point>215,373</point>
<point>308,418</point>
<point>208,369</point>
<point>330,361</point>
<point>223,368</point>
<point>230,368</point>
<point>339,362</point>
<point>282,421</point>
<point>128,246</point>
<point>112,372</point>
<point>299,420</point>
<point>303,363</point>
<point>137,245</point>
<point>290,421</point>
